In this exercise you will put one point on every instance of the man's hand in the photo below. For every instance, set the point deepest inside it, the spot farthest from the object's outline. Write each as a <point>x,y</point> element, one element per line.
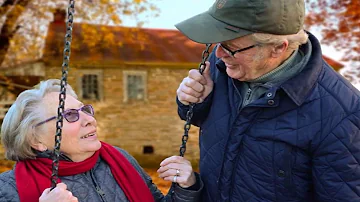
<point>195,87</point>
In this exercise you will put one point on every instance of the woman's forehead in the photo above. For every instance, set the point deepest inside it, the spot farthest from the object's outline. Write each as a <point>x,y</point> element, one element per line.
<point>52,99</point>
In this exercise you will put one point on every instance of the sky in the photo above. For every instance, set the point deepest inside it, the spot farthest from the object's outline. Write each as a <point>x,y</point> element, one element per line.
<point>174,11</point>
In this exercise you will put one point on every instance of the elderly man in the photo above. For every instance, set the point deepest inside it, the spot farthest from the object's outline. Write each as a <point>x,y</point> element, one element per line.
<point>276,122</point>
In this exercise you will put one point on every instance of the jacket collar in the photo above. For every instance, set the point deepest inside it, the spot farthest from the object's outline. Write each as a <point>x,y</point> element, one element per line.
<point>307,78</point>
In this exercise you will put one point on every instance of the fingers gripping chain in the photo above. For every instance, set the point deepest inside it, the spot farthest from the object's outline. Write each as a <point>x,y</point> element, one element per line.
<point>189,114</point>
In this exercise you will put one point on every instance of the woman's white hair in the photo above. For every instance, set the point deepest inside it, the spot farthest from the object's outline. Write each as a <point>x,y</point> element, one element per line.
<point>295,40</point>
<point>17,130</point>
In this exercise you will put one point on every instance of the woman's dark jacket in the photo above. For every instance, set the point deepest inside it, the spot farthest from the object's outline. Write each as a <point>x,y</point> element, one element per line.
<point>99,185</point>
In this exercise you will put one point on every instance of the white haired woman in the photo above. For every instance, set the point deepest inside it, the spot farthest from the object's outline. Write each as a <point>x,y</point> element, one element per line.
<point>89,170</point>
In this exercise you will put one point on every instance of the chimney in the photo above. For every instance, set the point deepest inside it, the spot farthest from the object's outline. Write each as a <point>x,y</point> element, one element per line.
<point>59,16</point>
<point>54,42</point>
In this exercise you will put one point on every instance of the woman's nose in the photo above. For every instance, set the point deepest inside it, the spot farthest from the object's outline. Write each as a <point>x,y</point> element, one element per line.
<point>87,119</point>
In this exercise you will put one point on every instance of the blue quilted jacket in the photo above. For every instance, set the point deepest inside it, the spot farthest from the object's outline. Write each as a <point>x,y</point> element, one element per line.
<point>298,142</point>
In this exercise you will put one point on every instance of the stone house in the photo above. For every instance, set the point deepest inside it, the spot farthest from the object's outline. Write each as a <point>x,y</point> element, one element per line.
<point>130,81</point>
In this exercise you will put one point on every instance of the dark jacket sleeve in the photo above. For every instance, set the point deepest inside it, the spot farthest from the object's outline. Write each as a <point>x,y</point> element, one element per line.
<point>177,194</point>
<point>336,170</point>
<point>200,110</point>
<point>8,190</point>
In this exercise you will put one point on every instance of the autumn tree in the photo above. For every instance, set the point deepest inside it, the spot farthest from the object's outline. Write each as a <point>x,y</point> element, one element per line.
<point>339,22</point>
<point>24,22</point>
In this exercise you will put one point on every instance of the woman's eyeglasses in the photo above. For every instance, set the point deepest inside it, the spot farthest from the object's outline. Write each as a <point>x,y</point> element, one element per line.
<point>72,115</point>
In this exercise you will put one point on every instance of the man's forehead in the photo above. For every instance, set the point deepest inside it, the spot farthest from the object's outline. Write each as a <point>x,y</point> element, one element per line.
<point>238,41</point>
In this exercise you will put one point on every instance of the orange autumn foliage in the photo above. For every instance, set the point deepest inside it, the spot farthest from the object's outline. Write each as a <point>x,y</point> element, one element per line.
<point>25,22</point>
<point>339,22</point>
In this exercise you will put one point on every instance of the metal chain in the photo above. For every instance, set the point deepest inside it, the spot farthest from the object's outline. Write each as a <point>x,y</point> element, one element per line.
<point>62,95</point>
<point>189,114</point>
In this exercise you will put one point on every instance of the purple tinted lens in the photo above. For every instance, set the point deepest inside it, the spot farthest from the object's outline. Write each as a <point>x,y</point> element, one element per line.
<point>88,110</point>
<point>71,115</point>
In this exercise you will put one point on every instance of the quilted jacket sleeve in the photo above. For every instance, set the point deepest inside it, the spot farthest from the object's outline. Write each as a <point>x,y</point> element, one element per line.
<point>8,191</point>
<point>178,194</point>
<point>336,170</point>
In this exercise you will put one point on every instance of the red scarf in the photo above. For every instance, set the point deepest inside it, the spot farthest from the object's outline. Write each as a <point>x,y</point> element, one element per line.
<point>33,176</point>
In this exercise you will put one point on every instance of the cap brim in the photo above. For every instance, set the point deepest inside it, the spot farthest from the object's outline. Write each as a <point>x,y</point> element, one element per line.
<point>204,28</point>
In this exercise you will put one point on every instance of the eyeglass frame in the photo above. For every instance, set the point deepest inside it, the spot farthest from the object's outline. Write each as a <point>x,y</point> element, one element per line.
<point>77,110</point>
<point>232,53</point>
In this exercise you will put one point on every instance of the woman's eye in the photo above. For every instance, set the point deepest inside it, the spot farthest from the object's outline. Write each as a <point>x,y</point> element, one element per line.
<point>68,113</point>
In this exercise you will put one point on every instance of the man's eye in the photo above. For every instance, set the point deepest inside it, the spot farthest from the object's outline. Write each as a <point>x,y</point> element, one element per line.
<point>230,47</point>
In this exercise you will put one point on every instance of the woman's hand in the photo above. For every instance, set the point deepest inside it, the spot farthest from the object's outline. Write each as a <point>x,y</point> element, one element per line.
<point>58,194</point>
<point>177,169</point>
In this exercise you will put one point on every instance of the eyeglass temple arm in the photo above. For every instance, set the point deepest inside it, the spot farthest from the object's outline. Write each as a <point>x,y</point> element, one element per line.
<point>42,122</point>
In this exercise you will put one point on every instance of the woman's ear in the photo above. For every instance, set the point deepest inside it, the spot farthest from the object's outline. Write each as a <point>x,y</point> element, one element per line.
<point>39,146</point>
<point>35,143</point>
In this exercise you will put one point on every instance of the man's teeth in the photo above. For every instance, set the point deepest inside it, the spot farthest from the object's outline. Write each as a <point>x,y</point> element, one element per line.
<point>88,135</point>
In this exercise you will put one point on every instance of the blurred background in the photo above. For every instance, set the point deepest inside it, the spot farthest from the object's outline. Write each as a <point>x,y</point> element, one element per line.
<point>127,60</point>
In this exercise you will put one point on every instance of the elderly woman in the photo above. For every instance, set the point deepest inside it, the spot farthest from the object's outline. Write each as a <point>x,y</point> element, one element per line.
<point>89,170</point>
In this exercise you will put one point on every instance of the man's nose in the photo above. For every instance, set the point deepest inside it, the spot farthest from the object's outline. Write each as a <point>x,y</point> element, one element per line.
<point>220,52</point>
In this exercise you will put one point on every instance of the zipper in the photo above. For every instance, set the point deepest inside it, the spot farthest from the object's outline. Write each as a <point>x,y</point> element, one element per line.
<point>97,187</point>
<point>248,96</point>
<point>237,91</point>
<point>100,192</point>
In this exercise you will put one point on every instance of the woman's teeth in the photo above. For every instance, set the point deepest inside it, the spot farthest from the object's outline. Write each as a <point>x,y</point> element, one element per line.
<point>88,135</point>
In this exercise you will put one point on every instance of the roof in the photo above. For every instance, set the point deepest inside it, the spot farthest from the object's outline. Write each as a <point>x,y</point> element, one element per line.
<point>116,45</point>
<point>336,65</point>
<point>113,45</point>
<point>16,84</point>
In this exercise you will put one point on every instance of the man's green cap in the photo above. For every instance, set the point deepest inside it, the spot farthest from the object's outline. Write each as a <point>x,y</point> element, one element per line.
<point>230,19</point>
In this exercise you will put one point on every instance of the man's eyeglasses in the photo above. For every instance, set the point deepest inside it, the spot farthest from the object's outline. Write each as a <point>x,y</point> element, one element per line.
<point>232,53</point>
<point>72,115</point>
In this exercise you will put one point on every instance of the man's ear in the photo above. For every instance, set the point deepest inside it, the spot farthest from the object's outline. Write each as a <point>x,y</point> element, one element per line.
<point>279,50</point>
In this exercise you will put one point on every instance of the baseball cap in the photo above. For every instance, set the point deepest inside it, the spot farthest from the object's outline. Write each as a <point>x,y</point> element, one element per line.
<point>230,19</point>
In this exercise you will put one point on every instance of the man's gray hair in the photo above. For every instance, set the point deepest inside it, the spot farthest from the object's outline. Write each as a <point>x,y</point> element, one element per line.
<point>295,40</point>
<point>17,130</point>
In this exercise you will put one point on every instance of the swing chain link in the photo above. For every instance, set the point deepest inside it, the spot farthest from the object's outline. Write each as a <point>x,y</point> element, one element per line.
<point>62,95</point>
<point>189,114</point>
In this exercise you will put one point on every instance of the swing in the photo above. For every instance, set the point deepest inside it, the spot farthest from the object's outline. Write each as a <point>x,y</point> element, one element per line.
<point>62,96</point>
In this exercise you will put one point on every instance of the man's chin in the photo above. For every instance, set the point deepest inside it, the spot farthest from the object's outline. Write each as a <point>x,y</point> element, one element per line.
<point>235,74</point>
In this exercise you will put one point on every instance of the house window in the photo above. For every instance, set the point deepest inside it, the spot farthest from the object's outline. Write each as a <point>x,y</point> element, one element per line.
<point>90,84</point>
<point>134,85</point>
<point>90,87</point>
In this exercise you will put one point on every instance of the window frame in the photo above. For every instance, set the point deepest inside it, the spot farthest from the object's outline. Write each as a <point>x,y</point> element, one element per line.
<point>127,73</point>
<point>99,74</point>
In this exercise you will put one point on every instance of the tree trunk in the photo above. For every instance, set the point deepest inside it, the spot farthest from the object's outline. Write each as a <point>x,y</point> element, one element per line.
<point>8,30</point>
